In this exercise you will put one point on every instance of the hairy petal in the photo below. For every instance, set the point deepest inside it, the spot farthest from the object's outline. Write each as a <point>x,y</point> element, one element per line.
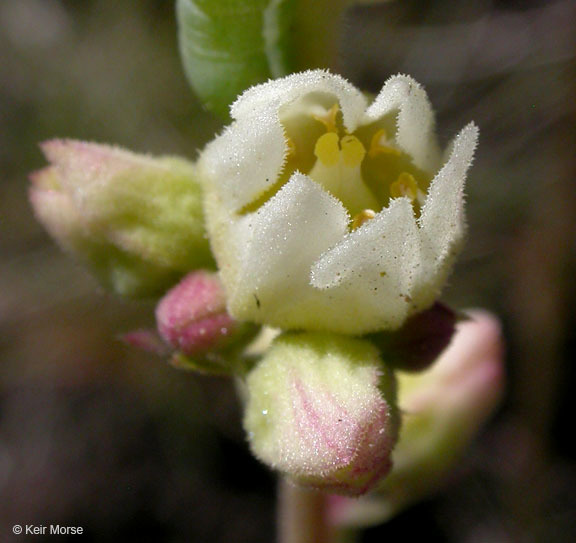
<point>415,121</point>
<point>246,160</point>
<point>283,238</point>
<point>442,219</point>
<point>376,266</point>
<point>282,92</point>
<point>442,223</point>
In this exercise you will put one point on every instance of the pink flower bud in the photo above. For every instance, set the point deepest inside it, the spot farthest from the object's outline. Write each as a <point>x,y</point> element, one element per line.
<point>467,380</point>
<point>321,410</point>
<point>192,316</point>
<point>443,409</point>
<point>135,221</point>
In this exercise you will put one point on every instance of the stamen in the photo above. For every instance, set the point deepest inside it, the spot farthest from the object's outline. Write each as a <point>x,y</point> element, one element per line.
<point>377,147</point>
<point>362,217</point>
<point>405,185</point>
<point>353,151</point>
<point>327,150</point>
<point>329,118</point>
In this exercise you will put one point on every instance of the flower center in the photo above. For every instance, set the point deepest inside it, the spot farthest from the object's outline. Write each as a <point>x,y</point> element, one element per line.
<point>364,170</point>
<point>338,170</point>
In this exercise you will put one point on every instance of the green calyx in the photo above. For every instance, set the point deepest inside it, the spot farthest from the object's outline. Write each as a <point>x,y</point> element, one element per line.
<point>136,222</point>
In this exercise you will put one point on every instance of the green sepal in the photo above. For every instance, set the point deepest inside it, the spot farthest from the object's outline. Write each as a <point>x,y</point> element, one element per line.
<point>225,361</point>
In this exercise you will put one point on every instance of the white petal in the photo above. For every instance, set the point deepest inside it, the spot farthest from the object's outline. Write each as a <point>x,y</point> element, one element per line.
<point>442,223</point>
<point>374,268</point>
<point>247,158</point>
<point>286,90</point>
<point>283,239</point>
<point>442,219</point>
<point>415,121</point>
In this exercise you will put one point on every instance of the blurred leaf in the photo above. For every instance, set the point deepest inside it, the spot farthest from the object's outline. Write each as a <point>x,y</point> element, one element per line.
<point>230,45</point>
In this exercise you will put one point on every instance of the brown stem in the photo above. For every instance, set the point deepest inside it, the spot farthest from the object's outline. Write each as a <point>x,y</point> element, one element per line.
<point>302,515</point>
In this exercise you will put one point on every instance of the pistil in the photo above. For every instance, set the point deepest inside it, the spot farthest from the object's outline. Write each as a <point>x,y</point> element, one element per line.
<point>337,169</point>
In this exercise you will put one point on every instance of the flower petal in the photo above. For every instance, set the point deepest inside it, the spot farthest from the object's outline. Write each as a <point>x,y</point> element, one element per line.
<point>282,240</point>
<point>248,157</point>
<point>286,90</point>
<point>442,223</point>
<point>443,214</point>
<point>415,121</point>
<point>374,268</point>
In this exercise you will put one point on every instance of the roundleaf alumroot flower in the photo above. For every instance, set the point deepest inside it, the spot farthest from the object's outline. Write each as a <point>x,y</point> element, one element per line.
<point>136,221</point>
<point>326,213</point>
<point>321,410</point>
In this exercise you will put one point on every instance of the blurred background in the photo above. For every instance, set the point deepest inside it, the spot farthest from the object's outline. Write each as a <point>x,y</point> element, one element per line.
<point>97,435</point>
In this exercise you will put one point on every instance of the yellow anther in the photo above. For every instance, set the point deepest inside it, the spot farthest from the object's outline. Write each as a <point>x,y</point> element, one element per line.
<point>329,118</point>
<point>327,149</point>
<point>352,151</point>
<point>362,217</point>
<point>405,185</point>
<point>378,147</point>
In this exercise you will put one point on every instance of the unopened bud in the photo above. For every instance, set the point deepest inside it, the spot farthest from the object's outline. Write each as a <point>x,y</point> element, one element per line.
<point>193,320</point>
<point>135,221</point>
<point>321,410</point>
<point>443,409</point>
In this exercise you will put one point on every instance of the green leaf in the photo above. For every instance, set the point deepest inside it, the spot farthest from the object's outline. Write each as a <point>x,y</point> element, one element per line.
<point>229,45</point>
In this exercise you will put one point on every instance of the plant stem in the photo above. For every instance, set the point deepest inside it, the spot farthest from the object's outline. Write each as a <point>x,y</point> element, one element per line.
<point>302,515</point>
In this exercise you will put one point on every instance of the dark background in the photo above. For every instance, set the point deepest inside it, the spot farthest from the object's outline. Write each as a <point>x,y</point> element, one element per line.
<point>95,434</point>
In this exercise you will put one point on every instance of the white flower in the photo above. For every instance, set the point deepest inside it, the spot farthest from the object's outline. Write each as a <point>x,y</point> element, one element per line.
<point>325,213</point>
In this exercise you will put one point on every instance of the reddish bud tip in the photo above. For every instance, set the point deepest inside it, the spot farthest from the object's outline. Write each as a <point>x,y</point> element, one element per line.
<point>192,316</point>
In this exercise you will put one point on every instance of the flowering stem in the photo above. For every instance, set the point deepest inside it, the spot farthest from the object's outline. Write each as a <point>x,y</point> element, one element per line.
<point>302,515</point>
